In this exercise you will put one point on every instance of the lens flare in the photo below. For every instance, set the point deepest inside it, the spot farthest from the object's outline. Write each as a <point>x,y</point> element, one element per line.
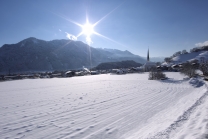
<point>87,29</point>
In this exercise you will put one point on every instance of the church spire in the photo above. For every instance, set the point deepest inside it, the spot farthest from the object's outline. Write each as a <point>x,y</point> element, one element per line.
<point>148,55</point>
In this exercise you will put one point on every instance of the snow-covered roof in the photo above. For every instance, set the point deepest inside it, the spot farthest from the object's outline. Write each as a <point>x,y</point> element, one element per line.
<point>68,72</point>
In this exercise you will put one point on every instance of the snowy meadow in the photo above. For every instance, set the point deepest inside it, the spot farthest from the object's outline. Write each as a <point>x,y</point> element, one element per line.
<point>104,107</point>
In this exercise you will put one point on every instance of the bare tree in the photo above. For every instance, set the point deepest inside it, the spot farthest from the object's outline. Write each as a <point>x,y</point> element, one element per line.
<point>203,66</point>
<point>167,59</point>
<point>184,52</point>
<point>158,63</point>
<point>177,53</point>
<point>202,60</point>
<point>194,50</point>
<point>204,47</point>
<point>188,69</point>
<point>155,74</point>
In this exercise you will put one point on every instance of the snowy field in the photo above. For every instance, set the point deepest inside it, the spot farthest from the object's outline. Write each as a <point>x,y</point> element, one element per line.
<point>104,107</point>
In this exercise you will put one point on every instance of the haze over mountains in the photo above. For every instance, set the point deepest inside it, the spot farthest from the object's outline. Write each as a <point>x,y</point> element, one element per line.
<point>34,54</point>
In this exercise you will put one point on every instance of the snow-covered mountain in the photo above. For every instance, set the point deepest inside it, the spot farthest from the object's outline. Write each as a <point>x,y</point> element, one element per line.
<point>199,55</point>
<point>34,54</point>
<point>190,56</point>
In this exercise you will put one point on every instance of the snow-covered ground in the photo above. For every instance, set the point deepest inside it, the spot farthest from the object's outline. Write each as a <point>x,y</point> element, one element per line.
<point>104,107</point>
<point>186,57</point>
<point>182,58</point>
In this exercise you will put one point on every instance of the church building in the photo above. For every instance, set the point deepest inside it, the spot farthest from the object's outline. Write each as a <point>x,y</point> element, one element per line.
<point>148,65</point>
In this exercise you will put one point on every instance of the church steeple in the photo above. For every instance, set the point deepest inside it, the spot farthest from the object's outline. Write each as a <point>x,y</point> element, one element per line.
<point>148,55</point>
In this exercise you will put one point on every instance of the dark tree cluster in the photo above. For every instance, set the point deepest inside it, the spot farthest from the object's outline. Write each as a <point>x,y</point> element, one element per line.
<point>177,54</point>
<point>197,49</point>
<point>167,59</point>
<point>184,52</point>
<point>155,74</point>
<point>204,67</point>
<point>188,69</point>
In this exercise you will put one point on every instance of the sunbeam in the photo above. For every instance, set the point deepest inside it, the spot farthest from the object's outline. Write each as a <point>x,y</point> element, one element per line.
<point>64,17</point>
<point>107,14</point>
<point>109,39</point>
<point>79,34</point>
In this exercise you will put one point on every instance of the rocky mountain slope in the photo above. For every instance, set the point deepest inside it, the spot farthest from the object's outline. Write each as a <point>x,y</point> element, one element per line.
<point>32,55</point>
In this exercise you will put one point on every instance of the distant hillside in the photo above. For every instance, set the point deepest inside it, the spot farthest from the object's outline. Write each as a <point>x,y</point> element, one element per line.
<point>34,55</point>
<point>181,58</point>
<point>199,54</point>
<point>186,57</point>
<point>118,55</point>
<point>117,65</point>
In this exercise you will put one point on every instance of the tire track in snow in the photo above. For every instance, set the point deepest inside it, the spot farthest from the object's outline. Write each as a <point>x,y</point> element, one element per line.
<point>119,112</point>
<point>41,105</point>
<point>32,121</point>
<point>181,119</point>
<point>71,111</point>
<point>127,121</point>
<point>162,99</point>
<point>131,106</point>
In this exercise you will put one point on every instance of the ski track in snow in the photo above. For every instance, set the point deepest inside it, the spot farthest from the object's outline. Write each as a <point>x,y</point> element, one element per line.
<point>96,107</point>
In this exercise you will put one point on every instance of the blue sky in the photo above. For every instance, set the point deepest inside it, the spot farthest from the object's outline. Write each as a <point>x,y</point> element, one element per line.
<point>165,26</point>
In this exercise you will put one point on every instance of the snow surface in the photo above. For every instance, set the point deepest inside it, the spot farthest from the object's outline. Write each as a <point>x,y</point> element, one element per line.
<point>182,58</point>
<point>204,55</point>
<point>104,107</point>
<point>185,57</point>
<point>190,56</point>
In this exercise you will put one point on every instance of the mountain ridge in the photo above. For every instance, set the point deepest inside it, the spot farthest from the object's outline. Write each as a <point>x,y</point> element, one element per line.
<point>32,54</point>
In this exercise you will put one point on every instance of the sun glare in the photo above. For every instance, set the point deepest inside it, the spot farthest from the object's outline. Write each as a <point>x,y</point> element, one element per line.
<point>87,29</point>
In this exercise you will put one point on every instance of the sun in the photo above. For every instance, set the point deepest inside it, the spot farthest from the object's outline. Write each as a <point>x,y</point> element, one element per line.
<point>87,29</point>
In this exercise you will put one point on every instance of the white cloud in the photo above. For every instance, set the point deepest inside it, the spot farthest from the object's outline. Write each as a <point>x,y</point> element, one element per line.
<point>59,30</point>
<point>202,44</point>
<point>71,37</point>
